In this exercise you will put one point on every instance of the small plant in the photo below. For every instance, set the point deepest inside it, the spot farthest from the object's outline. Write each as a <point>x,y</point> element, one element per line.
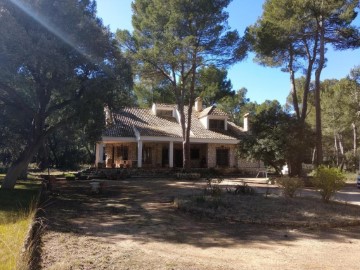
<point>328,181</point>
<point>244,189</point>
<point>212,188</point>
<point>290,186</point>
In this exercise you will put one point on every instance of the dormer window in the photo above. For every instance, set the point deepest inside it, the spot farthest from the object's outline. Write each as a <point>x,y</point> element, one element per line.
<point>216,124</point>
<point>164,113</point>
<point>213,118</point>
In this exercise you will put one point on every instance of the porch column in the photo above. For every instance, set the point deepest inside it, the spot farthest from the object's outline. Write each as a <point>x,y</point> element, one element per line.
<point>99,154</point>
<point>139,154</point>
<point>171,154</point>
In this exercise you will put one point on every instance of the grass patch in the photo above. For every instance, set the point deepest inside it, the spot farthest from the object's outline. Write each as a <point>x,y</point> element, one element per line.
<point>271,210</point>
<point>17,210</point>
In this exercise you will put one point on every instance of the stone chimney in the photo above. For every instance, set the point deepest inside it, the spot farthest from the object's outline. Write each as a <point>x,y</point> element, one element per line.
<point>198,104</point>
<point>246,127</point>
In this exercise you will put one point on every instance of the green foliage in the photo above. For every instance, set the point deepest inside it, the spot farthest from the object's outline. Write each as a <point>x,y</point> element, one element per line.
<point>213,85</point>
<point>290,185</point>
<point>149,92</point>
<point>59,67</point>
<point>274,137</point>
<point>328,181</point>
<point>236,106</point>
<point>172,41</point>
<point>340,121</point>
<point>293,34</point>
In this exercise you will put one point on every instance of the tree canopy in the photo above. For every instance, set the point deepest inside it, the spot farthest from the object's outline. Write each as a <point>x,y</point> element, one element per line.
<point>294,35</point>
<point>58,65</point>
<point>172,42</point>
<point>274,137</point>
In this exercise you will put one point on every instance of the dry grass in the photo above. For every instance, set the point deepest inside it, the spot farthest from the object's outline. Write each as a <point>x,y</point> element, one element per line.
<point>16,214</point>
<point>272,210</point>
<point>12,237</point>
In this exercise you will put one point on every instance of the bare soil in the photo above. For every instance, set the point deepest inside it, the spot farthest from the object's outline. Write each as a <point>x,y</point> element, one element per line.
<point>135,225</point>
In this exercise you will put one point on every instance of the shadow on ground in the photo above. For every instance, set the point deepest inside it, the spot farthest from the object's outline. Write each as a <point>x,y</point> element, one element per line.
<point>143,210</point>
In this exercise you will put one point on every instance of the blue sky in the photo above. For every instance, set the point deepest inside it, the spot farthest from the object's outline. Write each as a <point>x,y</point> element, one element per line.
<point>262,83</point>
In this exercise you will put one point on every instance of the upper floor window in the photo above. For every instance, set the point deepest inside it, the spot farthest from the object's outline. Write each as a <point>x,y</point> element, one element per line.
<point>217,124</point>
<point>166,113</point>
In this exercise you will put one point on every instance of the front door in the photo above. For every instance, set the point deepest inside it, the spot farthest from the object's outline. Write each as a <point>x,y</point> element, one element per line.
<point>222,157</point>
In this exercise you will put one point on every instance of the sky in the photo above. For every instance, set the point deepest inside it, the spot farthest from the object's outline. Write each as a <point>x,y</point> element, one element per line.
<point>262,83</point>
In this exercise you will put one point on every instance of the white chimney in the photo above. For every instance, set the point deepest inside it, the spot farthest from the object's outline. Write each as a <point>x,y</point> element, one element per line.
<point>246,122</point>
<point>198,104</point>
<point>108,116</point>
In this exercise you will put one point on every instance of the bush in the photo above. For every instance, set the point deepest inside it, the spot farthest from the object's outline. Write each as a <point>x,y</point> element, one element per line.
<point>212,188</point>
<point>290,185</point>
<point>328,181</point>
<point>244,189</point>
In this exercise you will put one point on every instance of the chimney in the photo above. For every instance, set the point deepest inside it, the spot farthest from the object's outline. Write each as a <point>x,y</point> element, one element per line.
<point>246,122</point>
<point>108,116</point>
<point>198,104</point>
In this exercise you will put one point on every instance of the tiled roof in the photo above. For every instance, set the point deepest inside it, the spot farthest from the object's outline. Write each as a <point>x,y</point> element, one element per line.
<point>127,120</point>
<point>165,105</point>
<point>212,110</point>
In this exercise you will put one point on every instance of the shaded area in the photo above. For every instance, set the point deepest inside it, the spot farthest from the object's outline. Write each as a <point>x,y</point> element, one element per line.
<point>142,212</point>
<point>14,204</point>
<point>145,210</point>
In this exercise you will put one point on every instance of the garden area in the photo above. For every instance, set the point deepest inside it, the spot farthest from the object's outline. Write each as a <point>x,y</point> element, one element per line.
<point>152,215</point>
<point>270,210</point>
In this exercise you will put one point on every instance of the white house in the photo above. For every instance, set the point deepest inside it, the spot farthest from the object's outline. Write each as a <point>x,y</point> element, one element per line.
<point>137,137</point>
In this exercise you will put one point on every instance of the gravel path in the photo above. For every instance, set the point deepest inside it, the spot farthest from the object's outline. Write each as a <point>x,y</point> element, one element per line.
<point>134,225</point>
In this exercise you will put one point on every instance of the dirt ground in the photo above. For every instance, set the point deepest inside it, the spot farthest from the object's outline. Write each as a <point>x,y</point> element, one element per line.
<point>134,225</point>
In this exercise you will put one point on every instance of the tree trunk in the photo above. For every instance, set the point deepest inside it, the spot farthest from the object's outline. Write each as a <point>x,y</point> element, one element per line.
<point>277,169</point>
<point>293,85</point>
<point>342,152</point>
<point>336,150</point>
<point>295,167</point>
<point>296,159</point>
<point>186,144</point>
<point>354,138</point>
<point>313,156</point>
<point>319,151</point>
<point>20,165</point>
<point>43,157</point>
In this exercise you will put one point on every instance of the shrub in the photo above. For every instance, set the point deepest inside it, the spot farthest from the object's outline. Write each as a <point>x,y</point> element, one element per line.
<point>290,186</point>
<point>244,189</point>
<point>212,188</point>
<point>328,181</point>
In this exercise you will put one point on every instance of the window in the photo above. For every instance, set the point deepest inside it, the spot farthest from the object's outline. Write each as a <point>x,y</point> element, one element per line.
<point>195,153</point>
<point>147,155</point>
<point>164,113</point>
<point>122,152</point>
<point>216,124</point>
<point>222,157</point>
